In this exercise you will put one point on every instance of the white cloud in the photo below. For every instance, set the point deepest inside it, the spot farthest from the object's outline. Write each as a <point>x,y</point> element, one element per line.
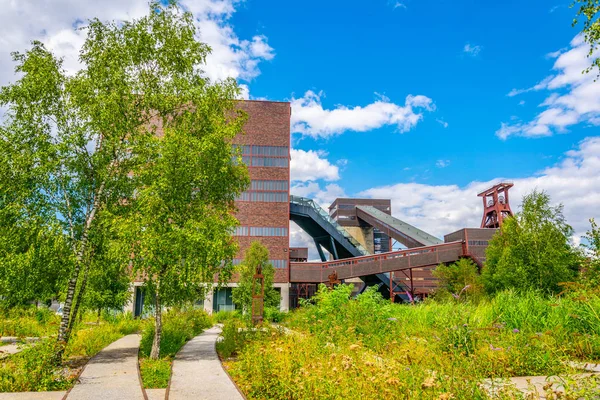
<point>311,165</point>
<point>442,163</point>
<point>311,119</point>
<point>442,209</point>
<point>574,97</point>
<point>442,122</point>
<point>471,49</point>
<point>399,5</point>
<point>54,23</point>
<point>322,196</point>
<point>522,103</point>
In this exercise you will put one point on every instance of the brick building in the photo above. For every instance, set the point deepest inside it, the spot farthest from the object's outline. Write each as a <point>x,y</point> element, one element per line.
<point>263,209</point>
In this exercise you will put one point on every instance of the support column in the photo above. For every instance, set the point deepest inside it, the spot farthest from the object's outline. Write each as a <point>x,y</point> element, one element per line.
<point>208,301</point>
<point>320,250</point>
<point>284,301</point>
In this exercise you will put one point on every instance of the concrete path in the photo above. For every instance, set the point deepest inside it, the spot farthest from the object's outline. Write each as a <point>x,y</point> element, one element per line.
<point>198,373</point>
<point>112,374</point>
<point>9,349</point>
<point>155,394</point>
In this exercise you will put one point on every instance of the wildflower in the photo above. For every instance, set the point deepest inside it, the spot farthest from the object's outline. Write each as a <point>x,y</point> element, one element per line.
<point>428,383</point>
<point>516,330</point>
<point>354,346</point>
<point>445,396</point>
<point>495,348</point>
<point>393,381</point>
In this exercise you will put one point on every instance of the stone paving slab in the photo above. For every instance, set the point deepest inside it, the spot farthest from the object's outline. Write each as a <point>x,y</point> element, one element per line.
<point>112,374</point>
<point>9,349</point>
<point>155,394</point>
<point>33,396</point>
<point>529,384</point>
<point>198,373</point>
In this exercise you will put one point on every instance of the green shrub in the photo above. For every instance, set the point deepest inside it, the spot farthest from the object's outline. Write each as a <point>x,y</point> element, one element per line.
<point>155,373</point>
<point>351,348</point>
<point>272,314</point>
<point>178,327</point>
<point>28,321</point>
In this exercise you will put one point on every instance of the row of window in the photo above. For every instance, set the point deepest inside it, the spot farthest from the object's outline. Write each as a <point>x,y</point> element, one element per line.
<point>260,231</point>
<point>478,242</point>
<point>280,264</point>
<point>269,197</point>
<point>269,185</point>
<point>268,161</point>
<point>271,151</point>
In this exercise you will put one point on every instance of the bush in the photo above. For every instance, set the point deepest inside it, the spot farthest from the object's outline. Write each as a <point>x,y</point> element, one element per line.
<point>178,327</point>
<point>28,321</point>
<point>155,373</point>
<point>351,348</point>
<point>272,314</point>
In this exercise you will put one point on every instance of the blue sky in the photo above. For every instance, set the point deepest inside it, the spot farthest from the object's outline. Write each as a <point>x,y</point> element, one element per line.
<point>351,51</point>
<point>425,103</point>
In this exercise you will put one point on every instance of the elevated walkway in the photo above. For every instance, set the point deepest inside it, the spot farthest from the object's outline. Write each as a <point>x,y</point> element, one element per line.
<point>379,264</point>
<point>410,236</point>
<point>324,230</point>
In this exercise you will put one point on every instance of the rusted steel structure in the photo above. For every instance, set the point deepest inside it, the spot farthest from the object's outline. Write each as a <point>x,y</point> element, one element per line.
<point>258,295</point>
<point>414,264</point>
<point>496,206</point>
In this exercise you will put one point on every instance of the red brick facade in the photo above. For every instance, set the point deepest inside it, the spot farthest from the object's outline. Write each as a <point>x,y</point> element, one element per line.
<point>268,125</point>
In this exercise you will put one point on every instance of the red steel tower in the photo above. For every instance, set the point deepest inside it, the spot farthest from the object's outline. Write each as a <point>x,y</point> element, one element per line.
<point>495,205</point>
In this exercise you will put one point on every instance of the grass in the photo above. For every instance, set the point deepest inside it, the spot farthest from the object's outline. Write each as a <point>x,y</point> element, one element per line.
<point>178,327</point>
<point>28,322</point>
<point>35,368</point>
<point>342,348</point>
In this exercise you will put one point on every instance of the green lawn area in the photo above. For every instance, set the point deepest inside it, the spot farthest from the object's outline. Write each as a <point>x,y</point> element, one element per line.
<point>370,348</point>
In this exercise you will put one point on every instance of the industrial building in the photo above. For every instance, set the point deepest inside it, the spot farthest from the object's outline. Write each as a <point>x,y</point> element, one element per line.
<point>355,239</point>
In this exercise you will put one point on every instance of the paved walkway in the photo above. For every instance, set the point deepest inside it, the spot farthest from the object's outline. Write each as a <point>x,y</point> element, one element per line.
<point>198,373</point>
<point>112,374</point>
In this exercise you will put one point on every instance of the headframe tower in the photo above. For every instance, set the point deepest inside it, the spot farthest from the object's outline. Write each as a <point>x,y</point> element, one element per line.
<point>496,206</point>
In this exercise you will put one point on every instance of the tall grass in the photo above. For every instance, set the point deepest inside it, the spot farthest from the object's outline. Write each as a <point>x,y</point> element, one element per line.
<point>343,348</point>
<point>35,368</point>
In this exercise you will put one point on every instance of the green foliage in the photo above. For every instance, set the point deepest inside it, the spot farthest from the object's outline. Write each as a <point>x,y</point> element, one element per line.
<point>237,332</point>
<point>35,368</point>
<point>28,322</point>
<point>532,250</point>
<point>178,328</point>
<point>590,276</point>
<point>155,373</point>
<point>109,277</point>
<point>257,256</point>
<point>459,280</point>
<point>588,13</point>
<point>351,348</point>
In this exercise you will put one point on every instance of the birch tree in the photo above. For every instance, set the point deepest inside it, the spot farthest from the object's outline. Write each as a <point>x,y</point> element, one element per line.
<point>74,140</point>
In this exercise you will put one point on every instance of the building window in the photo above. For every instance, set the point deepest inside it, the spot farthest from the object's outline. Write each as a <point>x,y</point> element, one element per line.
<point>269,197</point>
<point>269,185</point>
<point>268,231</point>
<point>241,231</point>
<point>278,264</point>
<point>222,300</point>
<point>264,156</point>
<point>260,231</point>
<point>270,191</point>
